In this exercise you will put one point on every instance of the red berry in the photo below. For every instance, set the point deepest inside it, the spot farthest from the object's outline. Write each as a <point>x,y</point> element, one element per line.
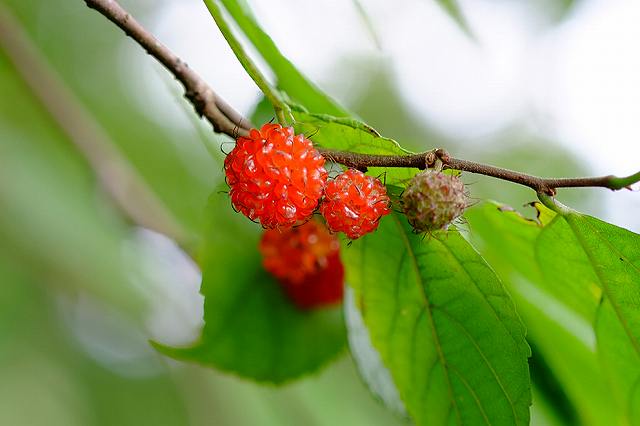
<point>275,176</point>
<point>324,288</point>
<point>306,261</point>
<point>354,203</point>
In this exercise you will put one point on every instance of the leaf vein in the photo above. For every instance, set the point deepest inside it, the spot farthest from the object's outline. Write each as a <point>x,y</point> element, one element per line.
<point>436,338</point>
<point>483,356</point>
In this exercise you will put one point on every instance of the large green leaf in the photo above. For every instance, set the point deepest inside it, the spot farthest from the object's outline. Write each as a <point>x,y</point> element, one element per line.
<point>443,324</point>
<point>250,327</point>
<point>614,255</point>
<point>620,362</point>
<point>591,267</point>
<point>556,252</point>
<point>530,245</point>
<point>290,80</point>
<point>508,240</point>
<point>605,259</point>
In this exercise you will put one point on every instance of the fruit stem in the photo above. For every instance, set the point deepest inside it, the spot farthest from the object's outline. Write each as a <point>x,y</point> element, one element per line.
<point>282,110</point>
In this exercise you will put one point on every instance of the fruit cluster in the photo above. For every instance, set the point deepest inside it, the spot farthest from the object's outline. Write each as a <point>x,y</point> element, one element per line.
<point>279,178</point>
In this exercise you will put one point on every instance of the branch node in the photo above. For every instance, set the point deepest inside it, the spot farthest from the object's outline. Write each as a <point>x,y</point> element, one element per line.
<point>429,160</point>
<point>443,155</point>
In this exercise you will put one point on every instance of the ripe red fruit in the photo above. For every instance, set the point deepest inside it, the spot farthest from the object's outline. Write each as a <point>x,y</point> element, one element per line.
<point>354,203</point>
<point>324,288</point>
<point>275,176</point>
<point>306,261</point>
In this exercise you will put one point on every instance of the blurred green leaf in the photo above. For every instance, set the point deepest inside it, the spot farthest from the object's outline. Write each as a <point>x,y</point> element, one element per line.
<point>262,112</point>
<point>52,216</point>
<point>169,159</point>
<point>251,328</point>
<point>290,80</point>
<point>620,362</point>
<point>548,394</point>
<point>370,366</point>
<point>557,10</point>
<point>367,23</point>
<point>443,324</point>
<point>573,363</point>
<point>453,9</point>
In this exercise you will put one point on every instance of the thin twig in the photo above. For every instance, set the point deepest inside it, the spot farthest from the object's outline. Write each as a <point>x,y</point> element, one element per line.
<point>428,159</point>
<point>206,102</point>
<point>116,176</point>
<point>281,108</point>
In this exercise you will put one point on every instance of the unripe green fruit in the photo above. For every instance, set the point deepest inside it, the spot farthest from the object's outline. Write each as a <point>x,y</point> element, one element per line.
<point>433,200</point>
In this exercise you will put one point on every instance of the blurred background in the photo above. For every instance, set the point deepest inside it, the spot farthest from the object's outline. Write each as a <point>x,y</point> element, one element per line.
<point>546,87</point>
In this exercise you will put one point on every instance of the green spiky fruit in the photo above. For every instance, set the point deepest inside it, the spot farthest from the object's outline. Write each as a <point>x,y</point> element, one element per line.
<point>433,200</point>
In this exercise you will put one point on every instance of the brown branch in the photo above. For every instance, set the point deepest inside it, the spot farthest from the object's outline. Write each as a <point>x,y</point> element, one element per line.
<point>114,173</point>
<point>205,101</point>
<point>363,161</point>
<point>432,158</point>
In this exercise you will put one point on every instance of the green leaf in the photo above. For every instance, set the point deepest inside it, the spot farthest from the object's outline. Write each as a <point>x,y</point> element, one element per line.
<point>614,255</point>
<point>443,324</point>
<point>348,134</point>
<point>572,360</point>
<point>368,23</point>
<point>290,80</point>
<point>591,267</point>
<point>52,216</point>
<point>508,241</point>
<point>620,363</point>
<point>367,358</point>
<point>453,9</point>
<point>607,257</point>
<point>250,327</point>
<point>530,245</point>
<point>558,251</point>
